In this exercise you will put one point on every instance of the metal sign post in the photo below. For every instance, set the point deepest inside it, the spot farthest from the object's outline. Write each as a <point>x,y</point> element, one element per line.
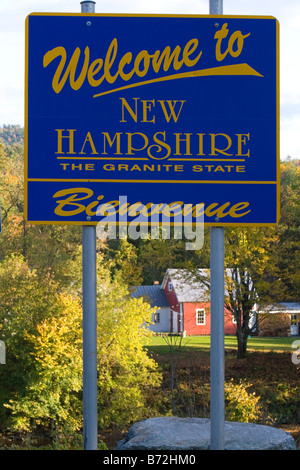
<point>89,324</point>
<point>217,366</point>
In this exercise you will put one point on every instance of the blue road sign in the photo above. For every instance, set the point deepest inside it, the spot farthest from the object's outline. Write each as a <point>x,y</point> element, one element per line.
<point>161,109</point>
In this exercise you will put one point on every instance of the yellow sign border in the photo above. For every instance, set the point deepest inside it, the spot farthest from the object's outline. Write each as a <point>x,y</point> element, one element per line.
<point>136,15</point>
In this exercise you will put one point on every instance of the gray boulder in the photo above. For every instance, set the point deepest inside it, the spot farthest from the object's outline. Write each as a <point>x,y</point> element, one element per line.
<point>173,433</point>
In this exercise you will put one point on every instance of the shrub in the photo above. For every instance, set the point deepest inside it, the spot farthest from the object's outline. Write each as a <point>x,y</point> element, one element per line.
<point>241,405</point>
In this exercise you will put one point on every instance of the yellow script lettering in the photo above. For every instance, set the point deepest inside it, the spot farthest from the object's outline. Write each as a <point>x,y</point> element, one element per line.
<point>237,36</point>
<point>57,82</point>
<point>139,66</point>
<point>70,201</point>
<point>68,205</point>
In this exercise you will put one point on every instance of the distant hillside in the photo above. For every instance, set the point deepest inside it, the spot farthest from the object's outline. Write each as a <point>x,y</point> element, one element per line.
<point>10,134</point>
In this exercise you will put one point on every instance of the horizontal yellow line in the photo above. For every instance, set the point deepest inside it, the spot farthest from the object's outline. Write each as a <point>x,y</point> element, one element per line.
<point>157,161</point>
<point>224,160</point>
<point>206,224</point>
<point>154,15</point>
<point>84,180</point>
<point>236,69</point>
<point>102,158</point>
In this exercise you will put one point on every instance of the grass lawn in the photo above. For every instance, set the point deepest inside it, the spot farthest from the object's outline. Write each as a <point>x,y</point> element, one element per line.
<point>160,344</point>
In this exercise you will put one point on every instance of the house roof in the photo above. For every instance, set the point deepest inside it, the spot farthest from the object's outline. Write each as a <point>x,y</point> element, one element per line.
<point>189,288</point>
<point>283,307</point>
<point>154,294</point>
<point>290,306</point>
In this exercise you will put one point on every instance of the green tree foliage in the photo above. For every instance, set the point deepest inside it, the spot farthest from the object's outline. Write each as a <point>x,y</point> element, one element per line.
<point>241,405</point>
<point>40,320</point>
<point>126,373</point>
<point>122,258</point>
<point>11,134</point>
<point>11,180</point>
<point>40,302</point>
<point>252,276</point>
<point>264,262</point>
<point>286,252</point>
<point>39,325</point>
<point>52,395</point>
<point>54,250</point>
<point>156,256</point>
<point>41,383</point>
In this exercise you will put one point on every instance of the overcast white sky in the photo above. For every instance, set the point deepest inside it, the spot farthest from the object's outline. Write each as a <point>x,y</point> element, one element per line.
<point>12,45</point>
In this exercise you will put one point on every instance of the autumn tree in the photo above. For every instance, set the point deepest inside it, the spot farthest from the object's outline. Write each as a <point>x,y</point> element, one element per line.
<point>11,134</point>
<point>40,302</point>
<point>51,394</point>
<point>40,326</point>
<point>54,250</point>
<point>126,372</point>
<point>40,320</point>
<point>157,255</point>
<point>252,277</point>
<point>40,323</point>
<point>121,256</point>
<point>286,252</point>
<point>263,263</point>
<point>12,194</point>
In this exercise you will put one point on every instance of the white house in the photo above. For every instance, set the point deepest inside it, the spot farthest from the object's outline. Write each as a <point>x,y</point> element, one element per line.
<point>156,297</point>
<point>286,312</point>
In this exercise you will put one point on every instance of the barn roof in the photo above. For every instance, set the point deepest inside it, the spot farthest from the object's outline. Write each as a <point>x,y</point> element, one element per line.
<point>189,288</point>
<point>153,294</point>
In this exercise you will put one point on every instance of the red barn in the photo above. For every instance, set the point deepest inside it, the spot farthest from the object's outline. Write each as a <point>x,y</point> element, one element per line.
<point>186,308</point>
<point>189,301</point>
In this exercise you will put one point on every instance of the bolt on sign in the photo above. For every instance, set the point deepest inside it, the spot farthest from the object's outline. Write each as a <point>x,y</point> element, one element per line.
<point>177,110</point>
